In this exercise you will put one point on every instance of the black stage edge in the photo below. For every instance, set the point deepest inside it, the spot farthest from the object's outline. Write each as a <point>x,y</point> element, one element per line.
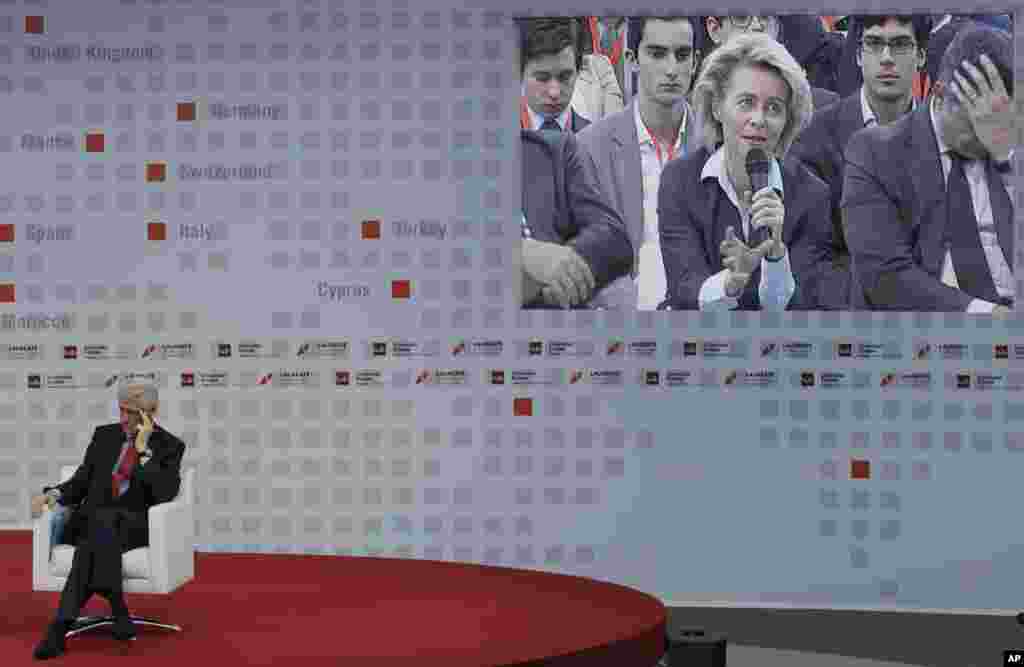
<point>936,640</point>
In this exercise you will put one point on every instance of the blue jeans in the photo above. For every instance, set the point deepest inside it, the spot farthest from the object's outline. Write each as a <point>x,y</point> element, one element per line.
<point>58,519</point>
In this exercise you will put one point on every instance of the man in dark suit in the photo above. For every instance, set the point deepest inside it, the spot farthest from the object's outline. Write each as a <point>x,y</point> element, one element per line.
<point>928,200</point>
<point>550,59</point>
<point>892,50</point>
<point>574,241</point>
<point>816,49</point>
<point>719,29</point>
<point>128,468</point>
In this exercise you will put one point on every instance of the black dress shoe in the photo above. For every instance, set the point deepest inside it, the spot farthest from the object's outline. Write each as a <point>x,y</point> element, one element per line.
<point>53,644</point>
<point>123,629</point>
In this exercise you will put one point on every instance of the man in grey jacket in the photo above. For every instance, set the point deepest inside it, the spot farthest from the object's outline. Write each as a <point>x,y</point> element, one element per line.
<point>629,149</point>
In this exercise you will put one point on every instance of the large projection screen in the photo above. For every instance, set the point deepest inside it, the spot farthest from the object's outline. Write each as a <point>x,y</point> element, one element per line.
<point>303,224</point>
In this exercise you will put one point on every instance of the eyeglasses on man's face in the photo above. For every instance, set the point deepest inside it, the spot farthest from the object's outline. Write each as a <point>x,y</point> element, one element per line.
<point>898,46</point>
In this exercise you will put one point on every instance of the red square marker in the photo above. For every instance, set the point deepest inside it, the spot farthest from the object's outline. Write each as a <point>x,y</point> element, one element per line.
<point>34,25</point>
<point>94,142</point>
<point>860,469</point>
<point>522,407</point>
<point>186,111</point>
<point>7,293</point>
<point>6,233</point>
<point>156,231</point>
<point>156,172</point>
<point>401,289</point>
<point>371,229</point>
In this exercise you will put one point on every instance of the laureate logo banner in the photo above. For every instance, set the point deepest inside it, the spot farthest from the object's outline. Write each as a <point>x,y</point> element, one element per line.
<point>986,380</point>
<point>170,351</point>
<point>296,378</point>
<point>370,378</point>
<point>251,349</point>
<point>809,379</point>
<point>713,348</point>
<point>412,349</point>
<point>46,381</point>
<point>324,349</point>
<point>106,352</point>
<point>443,378</point>
<point>860,349</point>
<point>745,378</point>
<point>906,380</point>
<point>570,349</point>
<point>478,349</point>
<point>205,379</point>
<point>791,350</point>
<point>22,352</point>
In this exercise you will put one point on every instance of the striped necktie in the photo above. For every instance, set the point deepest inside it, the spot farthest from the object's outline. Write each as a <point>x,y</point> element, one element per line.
<point>125,469</point>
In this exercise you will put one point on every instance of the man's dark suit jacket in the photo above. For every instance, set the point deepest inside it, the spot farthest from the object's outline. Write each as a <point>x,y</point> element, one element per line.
<point>894,216</point>
<point>822,98</point>
<point>91,487</point>
<point>563,204</point>
<point>820,147</point>
<point>939,41</point>
<point>693,216</point>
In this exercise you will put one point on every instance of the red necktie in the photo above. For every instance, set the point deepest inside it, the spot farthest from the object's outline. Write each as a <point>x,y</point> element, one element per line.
<point>124,471</point>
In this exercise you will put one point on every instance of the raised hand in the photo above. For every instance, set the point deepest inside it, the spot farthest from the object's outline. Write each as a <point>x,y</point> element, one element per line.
<point>988,106</point>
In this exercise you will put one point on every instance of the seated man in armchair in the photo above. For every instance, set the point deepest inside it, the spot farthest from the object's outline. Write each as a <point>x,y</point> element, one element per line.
<point>128,467</point>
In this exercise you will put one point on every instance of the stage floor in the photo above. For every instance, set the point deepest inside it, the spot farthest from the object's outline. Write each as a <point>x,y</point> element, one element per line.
<point>278,609</point>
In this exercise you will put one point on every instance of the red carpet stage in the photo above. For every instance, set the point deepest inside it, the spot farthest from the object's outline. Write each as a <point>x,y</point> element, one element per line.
<point>334,610</point>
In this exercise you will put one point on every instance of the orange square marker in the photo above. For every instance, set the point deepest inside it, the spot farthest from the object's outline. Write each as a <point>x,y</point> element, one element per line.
<point>401,289</point>
<point>522,407</point>
<point>7,293</point>
<point>371,229</point>
<point>156,172</point>
<point>35,25</point>
<point>156,231</point>
<point>860,469</point>
<point>186,111</point>
<point>94,142</point>
<point>6,233</point>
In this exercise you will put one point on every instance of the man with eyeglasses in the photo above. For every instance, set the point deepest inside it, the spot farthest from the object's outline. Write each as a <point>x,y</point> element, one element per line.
<point>928,200</point>
<point>892,50</point>
<point>721,28</point>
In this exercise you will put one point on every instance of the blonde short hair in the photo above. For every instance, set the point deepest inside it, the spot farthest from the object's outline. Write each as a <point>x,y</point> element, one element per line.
<point>140,396</point>
<point>755,50</point>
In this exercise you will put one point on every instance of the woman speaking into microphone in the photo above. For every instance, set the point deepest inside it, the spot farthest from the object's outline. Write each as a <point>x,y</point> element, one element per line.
<point>741,226</point>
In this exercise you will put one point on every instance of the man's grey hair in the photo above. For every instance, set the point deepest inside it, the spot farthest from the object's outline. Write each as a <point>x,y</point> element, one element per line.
<point>142,395</point>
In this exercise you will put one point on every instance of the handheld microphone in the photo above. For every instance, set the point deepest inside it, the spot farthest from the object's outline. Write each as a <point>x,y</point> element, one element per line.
<point>758,166</point>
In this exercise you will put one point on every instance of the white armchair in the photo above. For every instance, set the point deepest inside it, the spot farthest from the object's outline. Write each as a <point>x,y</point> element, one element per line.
<point>163,566</point>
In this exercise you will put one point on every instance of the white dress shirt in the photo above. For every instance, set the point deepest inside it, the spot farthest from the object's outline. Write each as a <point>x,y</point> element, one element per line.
<point>777,284</point>
<point>977,181</point>
<point>945,19</point>
<point>870,120</point>
<point>651,282</point>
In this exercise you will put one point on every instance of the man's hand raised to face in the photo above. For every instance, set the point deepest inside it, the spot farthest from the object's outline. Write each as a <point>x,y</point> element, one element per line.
<point>989,107</point>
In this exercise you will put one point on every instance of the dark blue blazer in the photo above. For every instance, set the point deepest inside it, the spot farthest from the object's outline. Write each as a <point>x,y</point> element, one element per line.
<point>563,204</point>
<point>894,216</point>
<point>820,147</point>
<point>693,216</point>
